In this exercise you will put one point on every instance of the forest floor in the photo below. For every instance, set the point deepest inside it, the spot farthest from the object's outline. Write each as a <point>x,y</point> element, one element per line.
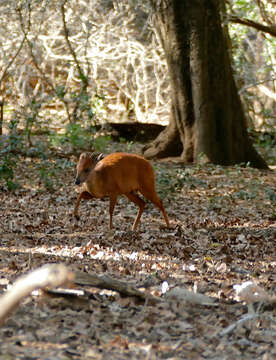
<point>223,233</point>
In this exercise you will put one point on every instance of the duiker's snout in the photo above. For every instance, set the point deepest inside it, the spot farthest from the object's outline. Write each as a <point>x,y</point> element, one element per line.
<point>77,181</point>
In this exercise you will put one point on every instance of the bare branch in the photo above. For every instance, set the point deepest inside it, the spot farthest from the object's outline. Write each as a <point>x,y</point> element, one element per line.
<point>30,45</point>
<point>72,51</point>
<point>107,282</point>
<point>260,27</point>
<point>263,12</point>
<point>12,60</point>
<point>52,275</point>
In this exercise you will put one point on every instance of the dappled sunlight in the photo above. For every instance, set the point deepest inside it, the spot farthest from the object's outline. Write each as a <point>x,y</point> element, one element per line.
<point>210,209</point>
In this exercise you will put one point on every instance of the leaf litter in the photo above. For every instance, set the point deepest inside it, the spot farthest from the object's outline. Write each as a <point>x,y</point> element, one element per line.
<point>222,236</point>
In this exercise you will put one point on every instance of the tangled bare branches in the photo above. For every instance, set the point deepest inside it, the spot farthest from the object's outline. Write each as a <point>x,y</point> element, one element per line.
<point>85,48</point>
<point>100,60</point>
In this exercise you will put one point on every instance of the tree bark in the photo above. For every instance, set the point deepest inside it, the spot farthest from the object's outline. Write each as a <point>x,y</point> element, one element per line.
<point>207,115</point>
<point>167,143</point>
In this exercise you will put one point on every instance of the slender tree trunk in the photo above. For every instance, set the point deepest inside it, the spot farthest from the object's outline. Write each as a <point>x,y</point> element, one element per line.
<point>207,115</point>
<point>1,116</point>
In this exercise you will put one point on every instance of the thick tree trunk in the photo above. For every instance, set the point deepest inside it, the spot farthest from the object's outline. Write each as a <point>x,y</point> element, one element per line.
<point>207,114</point>
<point>167,143</point>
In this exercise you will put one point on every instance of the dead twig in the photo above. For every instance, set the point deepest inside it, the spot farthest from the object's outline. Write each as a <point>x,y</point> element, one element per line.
<point>107,282</point>
<point>51,275</point>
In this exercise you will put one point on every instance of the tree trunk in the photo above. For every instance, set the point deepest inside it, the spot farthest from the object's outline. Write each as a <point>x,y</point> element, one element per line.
<point>207,115</point>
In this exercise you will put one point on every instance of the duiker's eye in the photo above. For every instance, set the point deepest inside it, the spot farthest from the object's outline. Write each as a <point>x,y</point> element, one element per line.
<point>86,171</point>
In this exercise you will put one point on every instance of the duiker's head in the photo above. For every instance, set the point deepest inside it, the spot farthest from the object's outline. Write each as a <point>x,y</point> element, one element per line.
<point>85,165</point>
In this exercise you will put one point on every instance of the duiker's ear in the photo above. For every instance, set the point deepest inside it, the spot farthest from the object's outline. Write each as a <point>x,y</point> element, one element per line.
<point>84,155</point>
<point>78,157</point>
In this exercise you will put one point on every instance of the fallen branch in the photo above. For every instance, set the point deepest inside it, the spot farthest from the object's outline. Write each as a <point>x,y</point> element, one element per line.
<point>107,282</point>
<point>52,275</point>
<point>232,327</point>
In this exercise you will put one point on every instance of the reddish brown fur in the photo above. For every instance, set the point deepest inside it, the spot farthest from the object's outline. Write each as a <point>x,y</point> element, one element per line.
<point>117,174</point>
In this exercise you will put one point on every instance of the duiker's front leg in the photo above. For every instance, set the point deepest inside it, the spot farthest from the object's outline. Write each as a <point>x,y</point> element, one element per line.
<point>83,195</point>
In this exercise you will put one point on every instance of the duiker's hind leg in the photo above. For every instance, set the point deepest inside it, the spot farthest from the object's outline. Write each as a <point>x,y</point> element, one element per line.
<point>112,203</point>
<point>153,197</point>
<point>140,203</point>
